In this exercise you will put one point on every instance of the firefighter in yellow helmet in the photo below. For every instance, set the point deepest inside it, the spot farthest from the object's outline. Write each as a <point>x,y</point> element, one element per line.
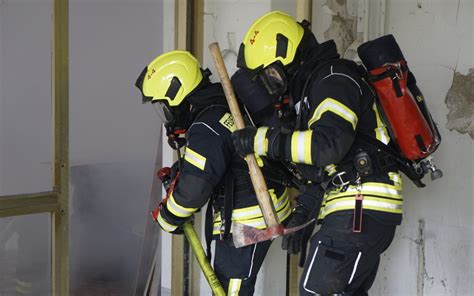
<point>210,171</point>
<point>354,189</point>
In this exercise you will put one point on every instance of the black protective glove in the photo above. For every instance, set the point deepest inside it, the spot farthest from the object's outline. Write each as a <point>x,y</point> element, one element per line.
<point>293,242</point>
<point>243,140</point>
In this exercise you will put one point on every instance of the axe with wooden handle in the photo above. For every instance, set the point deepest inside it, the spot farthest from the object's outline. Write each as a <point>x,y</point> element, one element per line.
<point>244,235</point>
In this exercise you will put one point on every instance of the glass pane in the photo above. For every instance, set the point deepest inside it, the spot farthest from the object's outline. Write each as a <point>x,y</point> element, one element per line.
<point>109,208</point>
<point>25,96</point>
<point>114,143</point>
<point>25,256</point>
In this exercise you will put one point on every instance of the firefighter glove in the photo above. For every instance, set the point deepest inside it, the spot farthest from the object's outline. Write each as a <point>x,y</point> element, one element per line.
<point>293,243</point>
<point>243,140</point>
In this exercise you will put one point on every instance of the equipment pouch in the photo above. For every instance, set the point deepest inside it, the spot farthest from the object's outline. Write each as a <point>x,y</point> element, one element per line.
<point>329,270</point>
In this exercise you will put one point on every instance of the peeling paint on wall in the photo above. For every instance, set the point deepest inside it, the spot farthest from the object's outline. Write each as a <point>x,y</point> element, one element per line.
<point>460,102</point>
<point>343,28</point>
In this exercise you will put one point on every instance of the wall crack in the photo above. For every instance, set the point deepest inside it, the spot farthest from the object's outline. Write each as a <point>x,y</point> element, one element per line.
<point>420,282</point>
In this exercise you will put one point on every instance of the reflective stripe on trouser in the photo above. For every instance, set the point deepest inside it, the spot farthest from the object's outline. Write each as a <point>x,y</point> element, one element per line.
<point>252,216</point>
<point>237,268</point>
<point>340,260</point>
<point>376,196</point>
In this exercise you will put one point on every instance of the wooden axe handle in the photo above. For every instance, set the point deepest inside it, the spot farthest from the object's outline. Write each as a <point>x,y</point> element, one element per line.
<point>256,175</point>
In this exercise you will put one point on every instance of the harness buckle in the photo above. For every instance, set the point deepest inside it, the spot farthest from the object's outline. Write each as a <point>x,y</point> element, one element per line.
<point>338,181</point>
<point>397,69</point>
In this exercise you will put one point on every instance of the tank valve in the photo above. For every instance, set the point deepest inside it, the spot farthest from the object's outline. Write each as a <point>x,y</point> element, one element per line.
<point>429,167</point>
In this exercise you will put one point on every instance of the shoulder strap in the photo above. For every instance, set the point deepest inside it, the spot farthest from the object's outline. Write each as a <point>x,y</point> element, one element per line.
<point>203,111</point>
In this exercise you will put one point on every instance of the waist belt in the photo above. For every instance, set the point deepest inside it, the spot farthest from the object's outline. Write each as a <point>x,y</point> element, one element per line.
<point>363,161</point>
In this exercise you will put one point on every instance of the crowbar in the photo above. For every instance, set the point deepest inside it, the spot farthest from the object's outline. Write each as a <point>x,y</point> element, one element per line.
<point>244,235</point>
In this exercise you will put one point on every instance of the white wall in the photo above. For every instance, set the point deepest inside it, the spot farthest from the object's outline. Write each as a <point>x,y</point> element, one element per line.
<point>437,38</point>
<point>226,22</point>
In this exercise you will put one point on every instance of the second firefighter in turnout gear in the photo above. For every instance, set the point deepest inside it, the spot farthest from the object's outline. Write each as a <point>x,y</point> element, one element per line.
<point>210,169</point>
<point>354,192</point>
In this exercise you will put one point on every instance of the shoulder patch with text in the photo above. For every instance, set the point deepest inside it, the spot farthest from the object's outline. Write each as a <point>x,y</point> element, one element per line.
<point>228,122</point>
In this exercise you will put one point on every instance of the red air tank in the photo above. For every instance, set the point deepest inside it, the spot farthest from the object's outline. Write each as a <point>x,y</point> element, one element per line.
<point>414,134</point>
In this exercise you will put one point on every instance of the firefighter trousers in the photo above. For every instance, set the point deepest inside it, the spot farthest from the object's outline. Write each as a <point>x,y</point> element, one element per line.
<point>237,268</point>
<point>343,261</point>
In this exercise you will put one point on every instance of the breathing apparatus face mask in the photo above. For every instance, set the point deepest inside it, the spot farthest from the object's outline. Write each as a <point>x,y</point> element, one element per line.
<point>164,112</point>
<point>176,121</point>
<point>274,78</point>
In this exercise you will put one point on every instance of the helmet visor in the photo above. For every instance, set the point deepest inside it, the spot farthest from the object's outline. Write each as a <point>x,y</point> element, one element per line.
<point>273,77</point>
<point>163,111</point>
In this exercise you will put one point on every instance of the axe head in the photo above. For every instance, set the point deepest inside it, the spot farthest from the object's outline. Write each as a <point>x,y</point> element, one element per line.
<point>243,235</point>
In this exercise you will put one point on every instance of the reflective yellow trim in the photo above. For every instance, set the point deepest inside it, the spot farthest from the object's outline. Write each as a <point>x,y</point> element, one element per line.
<point>259,160</point>
<point>301,147</point>
<point>330,169</point>
<point>252,216</point>
<point>257,222</point>
<point>381,132</point>
<point>255,212</point>
<point>397,180</point>
<point>234,287</point>
<point>228,122</point>
<point>377,196</point>
<point>369,203</point>
<point>336,107</point>
<point>260,222</point>
<point>387,201</point>
<point>307,147</point>
<point>195,158</point>
<point>177,209</point>
<point>370,188</point>
<point>294,146</point>
<point>165,225</point>
<point>260,143</point>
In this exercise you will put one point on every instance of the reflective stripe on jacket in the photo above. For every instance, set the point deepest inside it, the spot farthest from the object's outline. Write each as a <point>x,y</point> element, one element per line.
<point>252,216</point>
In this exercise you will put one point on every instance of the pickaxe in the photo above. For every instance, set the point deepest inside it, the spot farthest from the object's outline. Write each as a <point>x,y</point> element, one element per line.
<point>244,235</point>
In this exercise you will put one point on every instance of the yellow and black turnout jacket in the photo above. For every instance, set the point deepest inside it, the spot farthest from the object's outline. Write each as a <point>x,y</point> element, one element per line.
<point>209,156</point>
<point>340,106</point>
